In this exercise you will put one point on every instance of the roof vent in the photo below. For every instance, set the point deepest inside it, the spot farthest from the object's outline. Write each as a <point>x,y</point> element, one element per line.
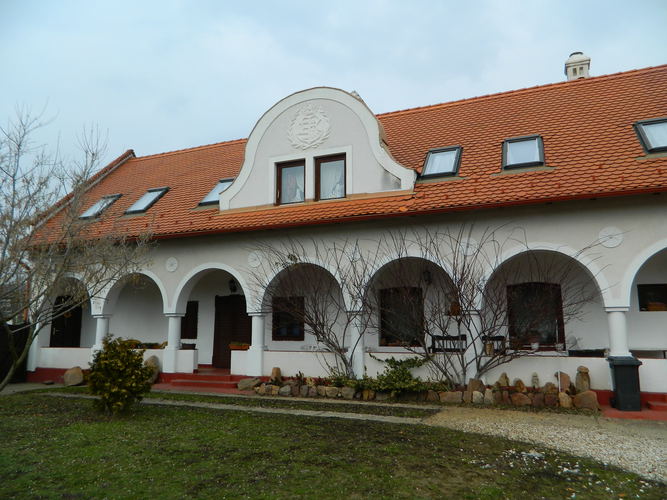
<point>577,66</point>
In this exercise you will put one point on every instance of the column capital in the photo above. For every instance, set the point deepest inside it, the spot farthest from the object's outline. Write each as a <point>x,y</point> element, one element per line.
<point>101,316</point>
<point>257,313</point>
<point>622,309</point>
<point>174,315</point>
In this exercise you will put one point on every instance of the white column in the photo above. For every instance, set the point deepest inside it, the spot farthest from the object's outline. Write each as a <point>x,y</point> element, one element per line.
<point>173,342</point>
<point>255,355</point>
<point>357,351</point>
<point>618,331</point>
<point>33,352</point>
<point>474,346</point>
<point>101,329</point>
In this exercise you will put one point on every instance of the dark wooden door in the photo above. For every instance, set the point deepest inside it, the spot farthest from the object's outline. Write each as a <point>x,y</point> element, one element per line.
<point>66,328</point>
<point>232,324</point>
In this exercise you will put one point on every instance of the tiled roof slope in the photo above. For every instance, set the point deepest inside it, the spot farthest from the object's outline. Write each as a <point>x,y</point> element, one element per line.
<point>586,125</point>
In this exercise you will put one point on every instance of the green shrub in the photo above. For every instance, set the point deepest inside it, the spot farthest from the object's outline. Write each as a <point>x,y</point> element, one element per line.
<point>397,378</point>
<point>118,376</point>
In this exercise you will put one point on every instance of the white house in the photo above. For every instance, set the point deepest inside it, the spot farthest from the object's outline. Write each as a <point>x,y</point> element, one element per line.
<point>566,164</point>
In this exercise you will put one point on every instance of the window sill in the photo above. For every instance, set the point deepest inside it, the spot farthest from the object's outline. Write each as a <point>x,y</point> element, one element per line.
<point>523,169</point>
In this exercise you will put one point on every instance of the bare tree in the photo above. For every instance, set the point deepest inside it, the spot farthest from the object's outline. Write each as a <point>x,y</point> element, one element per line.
<point>463,324</point>
<point>318,284</point>
<point>43,240</point>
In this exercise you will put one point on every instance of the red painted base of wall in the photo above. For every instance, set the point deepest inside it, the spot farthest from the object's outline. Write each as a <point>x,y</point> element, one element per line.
<point>604,397</point>
<point>46,374</point>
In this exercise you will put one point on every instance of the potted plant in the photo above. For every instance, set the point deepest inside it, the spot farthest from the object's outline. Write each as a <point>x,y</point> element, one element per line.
<point>239,346</point>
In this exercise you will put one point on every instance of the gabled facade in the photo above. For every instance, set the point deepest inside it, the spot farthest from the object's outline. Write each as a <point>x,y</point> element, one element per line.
<point>564,165</point>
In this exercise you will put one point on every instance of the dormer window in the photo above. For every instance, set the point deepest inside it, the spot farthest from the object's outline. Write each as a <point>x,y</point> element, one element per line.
<point>330,177</point>
<point>213,196</point>
<point>290,182</point>
<point>523,152</point>
<point>147,200</point>
<point>653,134</point>
<point>442,161</point>
<point>99,207</point>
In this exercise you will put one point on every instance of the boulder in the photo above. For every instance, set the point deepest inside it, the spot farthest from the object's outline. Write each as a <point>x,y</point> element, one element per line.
<point>322,390</point>
<point>331,391</point>
<point>451,397</point>
<point>312,392</point>
<point>538,400</point>
<point>261,389</point>
<point>248,384</point>
<point>432,396</point>
<point>477,397</point>
<point>497,397</point>
<point>368,394</point>
<point>563,381</point>
<point>535,380</point>
<point>347,392</point>
<point>275,390</point>
<point>550,388</point>
<point>520,399</point>
<point>519,386</point>
<point>476,384</point>
<point>295,389</point>
<point>467,396</point>
<point>582,380</point>
<point>551,400</point>
<point>285,390</point>
<point>586,399</point>
<point>488,396</point>
<point>503,380</point>
<point>276,375</point>
<point>303,391</point>
<point>73,376</point>
<point>506,397</point>
<point>154,363</point>
<point>564,400</point>
<point>382,396</point>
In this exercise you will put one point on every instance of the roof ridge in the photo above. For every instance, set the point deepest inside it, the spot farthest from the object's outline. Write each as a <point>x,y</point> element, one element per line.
<point>194,148</point>
<point>535,88</point>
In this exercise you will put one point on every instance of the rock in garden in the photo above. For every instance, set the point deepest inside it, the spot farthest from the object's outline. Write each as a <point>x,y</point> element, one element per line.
<point>550,388</point>
<point>520,399</point>
<point>535,380</point>
<point>261,389</point>
<point>506,397</point>
<point>331,392</point>
<point>476,384</point>
<point>583,379</point>
<point>563,380</point>
<point>519,386</point>
<point>368,394</point>
<point>312,391</point>
<point>586,399</point>
<point>276,375</point>
<point>497,397</point>
<point>73,376</point>
<point>564,400</point>
<point>295,389</point>
<point>322,390</point>
<point>303,391</point>
<point>551,400</point>
<point>275,390</point>
<point>467,396</point>
<point>248,384</point>
<point>488,396</point>
<point>347,392</point>
<point>285,390</point>
<point>538,399</point>
<point>477,397</point>
<point>503,380</point>
<point>381,396</point>
<point>48,382</point>
<point>432,396</point>
<point>451,397</point>
<point>154,363</point>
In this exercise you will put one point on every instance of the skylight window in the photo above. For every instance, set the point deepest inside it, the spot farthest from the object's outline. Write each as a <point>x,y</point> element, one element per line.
<point>212,197</point>
<point>147,200</point>
<point>653,134</point>
<point>442,161</point>
<point>523,152</point>
<point>99,207</point>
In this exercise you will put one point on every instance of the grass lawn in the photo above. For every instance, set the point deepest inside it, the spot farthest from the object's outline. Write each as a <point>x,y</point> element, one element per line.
<point>61,448</point>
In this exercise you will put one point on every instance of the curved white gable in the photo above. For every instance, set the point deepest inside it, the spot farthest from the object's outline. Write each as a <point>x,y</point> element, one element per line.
<point>345,125</point>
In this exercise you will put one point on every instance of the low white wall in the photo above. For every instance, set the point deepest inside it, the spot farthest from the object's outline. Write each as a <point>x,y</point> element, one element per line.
<point>240,360</point>
<point>653,375</point>
<point>64,357</point>
<point>311,364</point>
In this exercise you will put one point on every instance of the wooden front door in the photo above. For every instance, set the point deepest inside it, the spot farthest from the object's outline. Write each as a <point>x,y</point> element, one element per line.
<point>232,324</point>
<point>66,328</point>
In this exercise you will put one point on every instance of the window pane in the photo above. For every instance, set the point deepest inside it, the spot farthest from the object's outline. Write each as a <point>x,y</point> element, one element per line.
<point>332,179</point>
<point>401,316</point>
<point>291,184</point>
<point>146,201</point>
<point>214,194</point>
<point>523,152</point>
<point>656,133</point>
<point>652,297</point>
<point>287,318</point>
<point>535,313</point>
<point>441,162</point>
<point>98,207</point>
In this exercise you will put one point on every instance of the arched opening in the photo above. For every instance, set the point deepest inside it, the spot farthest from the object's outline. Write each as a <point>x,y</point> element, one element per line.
<point>648,308</point>
<point>72,324</point>
<point>545,300</point>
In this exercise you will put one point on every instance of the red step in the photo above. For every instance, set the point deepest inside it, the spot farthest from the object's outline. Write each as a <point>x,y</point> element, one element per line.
<point>204,384</point>
<point>210,377</point>
<point>657,405</point>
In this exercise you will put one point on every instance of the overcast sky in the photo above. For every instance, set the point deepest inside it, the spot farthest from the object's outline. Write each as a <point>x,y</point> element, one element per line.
<point>163,75</point>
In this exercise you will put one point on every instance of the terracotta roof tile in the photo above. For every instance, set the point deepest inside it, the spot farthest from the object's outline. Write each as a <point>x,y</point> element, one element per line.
<point>586,126</point>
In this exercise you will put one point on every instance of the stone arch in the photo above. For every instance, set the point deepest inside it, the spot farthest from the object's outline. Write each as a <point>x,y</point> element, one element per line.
<point>190,280</point>
<point>635,266</point>
<point>109,297</point>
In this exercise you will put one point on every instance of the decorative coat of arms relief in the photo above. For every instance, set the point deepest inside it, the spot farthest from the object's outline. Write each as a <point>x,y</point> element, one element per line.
<point>309,128</point>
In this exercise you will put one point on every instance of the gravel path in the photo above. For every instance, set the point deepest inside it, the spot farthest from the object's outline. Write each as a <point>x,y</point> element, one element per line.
<point>634,445</point>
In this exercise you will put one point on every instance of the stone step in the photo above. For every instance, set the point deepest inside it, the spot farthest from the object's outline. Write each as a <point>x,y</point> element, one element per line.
<point>210,377</point>
<point>204,384</point>
<point>657,405</point>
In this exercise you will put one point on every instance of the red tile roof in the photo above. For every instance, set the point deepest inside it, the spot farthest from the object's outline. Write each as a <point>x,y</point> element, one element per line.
<point>590,147</point>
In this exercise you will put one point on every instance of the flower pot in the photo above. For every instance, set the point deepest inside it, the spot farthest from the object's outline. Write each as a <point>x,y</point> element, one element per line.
<point>239,347</point>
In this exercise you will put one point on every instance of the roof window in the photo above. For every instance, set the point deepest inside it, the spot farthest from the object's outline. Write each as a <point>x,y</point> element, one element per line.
<point>99,206</point>
<point>212,198</point>
<point>523,152</point>
<point>653,134</point>
<point>147,200</point>
<point>442,161</point>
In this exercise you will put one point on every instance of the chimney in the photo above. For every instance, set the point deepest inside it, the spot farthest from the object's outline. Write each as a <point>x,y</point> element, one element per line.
<point>577,66</point>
